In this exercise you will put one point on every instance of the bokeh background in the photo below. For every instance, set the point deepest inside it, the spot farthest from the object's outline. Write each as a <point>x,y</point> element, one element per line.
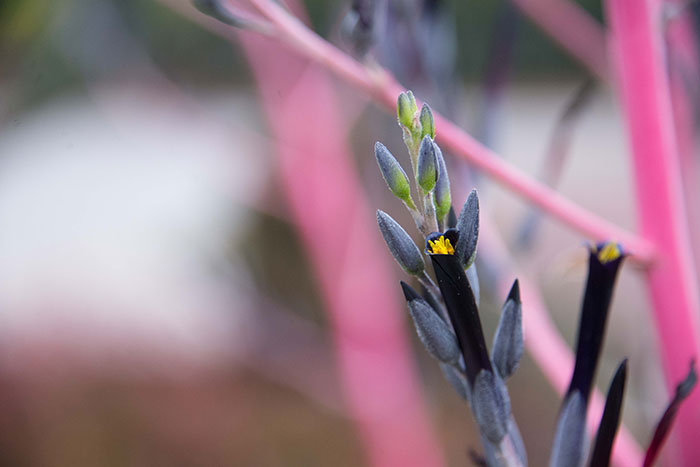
<point>157,303</point>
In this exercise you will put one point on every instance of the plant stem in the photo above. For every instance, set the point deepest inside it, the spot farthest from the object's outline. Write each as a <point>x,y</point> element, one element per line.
<point>644,92</point>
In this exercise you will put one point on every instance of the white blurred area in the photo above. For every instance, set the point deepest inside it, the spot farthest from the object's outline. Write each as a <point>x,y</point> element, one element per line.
<point>117,213</point>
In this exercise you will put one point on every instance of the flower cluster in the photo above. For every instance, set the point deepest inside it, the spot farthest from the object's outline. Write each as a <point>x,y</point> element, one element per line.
<point>446,314</point>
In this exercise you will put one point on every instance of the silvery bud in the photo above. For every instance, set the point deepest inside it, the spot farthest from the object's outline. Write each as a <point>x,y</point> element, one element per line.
<point>567,448</point>
<point>508,341</point>
<point>427,165</point>
<point>393,173</point>
<point>468,227</point>
<point>443,198</point>
<point>427,122</point>
<point>436,335</point>
<point>402,247</point>
<point>406,108</point>
<point>491,405</point>
<point>457,380</point>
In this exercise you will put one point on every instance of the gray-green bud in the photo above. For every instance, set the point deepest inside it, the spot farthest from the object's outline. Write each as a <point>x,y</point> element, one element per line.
<point>567,448</point>
<point>443,198</point>
<point>393,174</point>
<point>406,108</point>
<point>436,335</point>
<point>427,165</point>
<point>468,226</point>
<point>402,247</point>
<point>508,341</point>
<point>427,121</point>
<point>491,406</point>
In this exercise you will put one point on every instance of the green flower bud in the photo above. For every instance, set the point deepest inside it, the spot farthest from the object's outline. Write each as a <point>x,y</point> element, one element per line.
<point>394,176</point>
<point>427,165</point>
<point>443,198</point>
<point>427,122</point>
<point>406,108</point>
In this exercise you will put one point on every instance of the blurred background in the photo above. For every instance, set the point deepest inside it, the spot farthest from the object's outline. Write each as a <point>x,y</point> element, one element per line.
<point>159,304</point>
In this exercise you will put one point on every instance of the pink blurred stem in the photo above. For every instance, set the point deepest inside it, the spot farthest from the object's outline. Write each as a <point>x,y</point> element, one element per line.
<point>336,225</point>
<point>644,92</point>
<point>573,29</point>
<point>684,75</point>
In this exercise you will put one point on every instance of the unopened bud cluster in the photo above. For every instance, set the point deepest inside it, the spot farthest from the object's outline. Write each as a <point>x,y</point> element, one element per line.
<point>446,314</point>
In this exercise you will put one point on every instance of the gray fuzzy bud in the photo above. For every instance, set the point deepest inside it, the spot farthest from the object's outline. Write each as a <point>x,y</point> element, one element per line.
<point>427,165</point>
<point>437,337</point>
<point>443,198</point>
<point>468,227</point>
<point>393,173</point>
<point>567,448</point>
<point>508,341</point>
<point>491,405</point>
<point>427,121</point>
<point>457,380</point>
<point>517,441</point>
<point>405,251</point>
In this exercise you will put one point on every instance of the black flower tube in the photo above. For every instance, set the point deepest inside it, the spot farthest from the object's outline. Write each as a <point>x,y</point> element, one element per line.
<point>603,265</point>
<point>460,302</point>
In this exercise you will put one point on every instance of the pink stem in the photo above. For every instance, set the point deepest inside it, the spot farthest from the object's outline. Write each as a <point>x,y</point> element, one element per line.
<point>684,74</point>
<point>334,219</point>
<point>644,92</point>
<point>380,84</point>
<point>573,29</point>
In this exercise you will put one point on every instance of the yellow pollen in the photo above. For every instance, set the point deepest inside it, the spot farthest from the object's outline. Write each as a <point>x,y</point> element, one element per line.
<point>610,252</point>
<point>441,246</point>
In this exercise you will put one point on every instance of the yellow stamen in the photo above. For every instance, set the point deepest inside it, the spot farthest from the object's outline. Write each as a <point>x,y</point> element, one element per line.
<point>441,246</point>
<point>610,252</point>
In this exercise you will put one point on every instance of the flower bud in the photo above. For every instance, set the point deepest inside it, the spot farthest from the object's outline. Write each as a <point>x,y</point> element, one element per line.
<point>491,406</point>
<point>567,448</point>
<point>443,198</point>
<point>427,121</point>
<point>400,244</point>
<point>427,165</point>
<point>508,341</point>
<point>393,173</point>
<point>436,335</point>
<point>406,108</point>
<point>457,381</point>
<point>468,226</point>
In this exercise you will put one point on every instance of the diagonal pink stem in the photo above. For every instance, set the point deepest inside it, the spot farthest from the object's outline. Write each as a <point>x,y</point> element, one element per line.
<point>644,93</point>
